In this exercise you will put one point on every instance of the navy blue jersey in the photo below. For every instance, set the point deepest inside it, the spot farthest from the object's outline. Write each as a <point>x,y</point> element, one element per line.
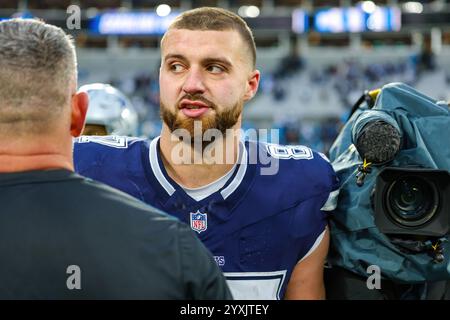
<point>257,226</point>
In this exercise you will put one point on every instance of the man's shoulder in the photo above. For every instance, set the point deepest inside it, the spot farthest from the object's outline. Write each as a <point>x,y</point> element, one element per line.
<point>93,196</point>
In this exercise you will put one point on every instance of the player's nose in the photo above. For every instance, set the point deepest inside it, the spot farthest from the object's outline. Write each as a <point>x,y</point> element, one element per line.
<point>194,82</point>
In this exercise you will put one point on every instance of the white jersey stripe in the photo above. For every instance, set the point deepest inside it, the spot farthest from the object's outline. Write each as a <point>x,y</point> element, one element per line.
<point>331,203</point>
<point>153,156</point>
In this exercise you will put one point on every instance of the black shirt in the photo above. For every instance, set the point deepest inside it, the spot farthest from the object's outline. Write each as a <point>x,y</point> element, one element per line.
<point>63,236</point>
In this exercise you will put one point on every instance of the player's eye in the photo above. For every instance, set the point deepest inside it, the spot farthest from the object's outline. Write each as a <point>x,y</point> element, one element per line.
<point>214,68</point>
<point>176,67</point>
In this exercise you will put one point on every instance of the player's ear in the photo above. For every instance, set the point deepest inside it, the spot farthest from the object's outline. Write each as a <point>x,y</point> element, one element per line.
<point>79,105</point>
<point>252,85</point>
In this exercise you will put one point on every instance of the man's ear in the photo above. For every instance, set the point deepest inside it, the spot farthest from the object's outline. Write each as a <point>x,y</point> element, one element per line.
<point>80,102</point>
<point>252,85</point>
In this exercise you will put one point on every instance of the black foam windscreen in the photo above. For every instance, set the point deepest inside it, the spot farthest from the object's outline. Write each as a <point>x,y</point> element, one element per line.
<point>378,142</point>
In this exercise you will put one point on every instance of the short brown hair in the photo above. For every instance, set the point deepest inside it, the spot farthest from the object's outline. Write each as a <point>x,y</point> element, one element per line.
<point>217,19</point>
<point>38,68</point>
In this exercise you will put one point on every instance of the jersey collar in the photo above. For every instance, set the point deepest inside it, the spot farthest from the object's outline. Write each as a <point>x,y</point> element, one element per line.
<point>231,192</point>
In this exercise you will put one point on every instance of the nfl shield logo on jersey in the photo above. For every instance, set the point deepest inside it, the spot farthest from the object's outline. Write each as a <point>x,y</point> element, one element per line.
<point>199,221</point>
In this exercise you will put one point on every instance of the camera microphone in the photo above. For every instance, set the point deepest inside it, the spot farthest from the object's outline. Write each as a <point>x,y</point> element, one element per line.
<point>378,142</point>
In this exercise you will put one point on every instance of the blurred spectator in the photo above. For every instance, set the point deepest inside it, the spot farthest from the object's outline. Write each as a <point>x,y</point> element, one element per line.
<point>426,58</point>
<point>291,64</point>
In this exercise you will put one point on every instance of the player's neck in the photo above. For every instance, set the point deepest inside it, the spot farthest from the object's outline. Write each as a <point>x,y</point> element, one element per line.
<point>203,165</point>
<point>21,155</point>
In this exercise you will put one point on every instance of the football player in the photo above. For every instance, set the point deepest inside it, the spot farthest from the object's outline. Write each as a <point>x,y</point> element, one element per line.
<point>268,232</point>
<point>110,111</point>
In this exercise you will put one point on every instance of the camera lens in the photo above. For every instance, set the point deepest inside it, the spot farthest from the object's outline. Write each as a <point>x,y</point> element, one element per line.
<point>412,201</point>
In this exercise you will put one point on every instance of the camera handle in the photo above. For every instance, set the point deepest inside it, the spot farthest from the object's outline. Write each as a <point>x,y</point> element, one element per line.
<point>368,97</point>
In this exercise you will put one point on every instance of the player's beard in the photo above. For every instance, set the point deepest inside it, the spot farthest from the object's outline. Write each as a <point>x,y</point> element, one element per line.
<point>214,119</point>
